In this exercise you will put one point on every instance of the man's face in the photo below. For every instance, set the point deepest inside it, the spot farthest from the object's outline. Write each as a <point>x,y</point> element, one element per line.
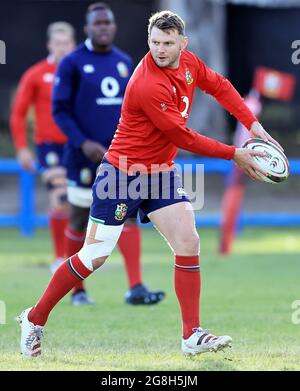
<point>60,44</point>
<point>101,27</point>
<point>165,47</point>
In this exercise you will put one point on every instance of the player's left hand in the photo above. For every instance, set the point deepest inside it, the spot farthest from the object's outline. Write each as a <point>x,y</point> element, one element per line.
<point>258,131</point>
<point>93,150</point>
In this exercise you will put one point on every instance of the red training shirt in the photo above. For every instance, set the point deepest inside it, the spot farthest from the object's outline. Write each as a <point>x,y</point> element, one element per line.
<point>156,107</point>
<point>35,88</point>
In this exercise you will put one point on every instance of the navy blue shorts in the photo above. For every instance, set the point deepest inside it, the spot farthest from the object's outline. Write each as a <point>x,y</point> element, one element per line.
<point>118,196</point>
<point>81,172</point>
<point>49,155</point>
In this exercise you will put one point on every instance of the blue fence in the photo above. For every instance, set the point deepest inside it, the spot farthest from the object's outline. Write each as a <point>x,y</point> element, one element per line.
<point>27,219</point>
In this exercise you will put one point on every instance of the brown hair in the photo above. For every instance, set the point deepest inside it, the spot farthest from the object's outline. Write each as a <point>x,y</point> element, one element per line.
<point>166,20</point>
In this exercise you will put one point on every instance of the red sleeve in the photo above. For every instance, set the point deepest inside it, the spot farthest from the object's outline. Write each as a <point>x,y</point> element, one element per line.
<point>18,118</point>
<point>161,110</point>
<point>220,88</point>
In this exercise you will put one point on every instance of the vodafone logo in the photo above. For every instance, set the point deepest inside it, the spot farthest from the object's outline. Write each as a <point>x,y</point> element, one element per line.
<point>110,88</point>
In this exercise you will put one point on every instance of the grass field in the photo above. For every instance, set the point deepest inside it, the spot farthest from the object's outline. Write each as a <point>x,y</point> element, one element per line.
<point>247,295</point>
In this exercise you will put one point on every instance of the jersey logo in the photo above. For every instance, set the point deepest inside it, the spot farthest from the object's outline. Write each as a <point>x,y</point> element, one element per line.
<point>163,106</point>
<point>188,76</point>
<point>88,68</point>
<point>48,77</point>
<point>110,88</point>
<point>120,211</point>
<point>122,69</point>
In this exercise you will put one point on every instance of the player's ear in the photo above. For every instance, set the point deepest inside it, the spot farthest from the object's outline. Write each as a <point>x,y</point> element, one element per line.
<point>85,29</point>
<point>184,43</point>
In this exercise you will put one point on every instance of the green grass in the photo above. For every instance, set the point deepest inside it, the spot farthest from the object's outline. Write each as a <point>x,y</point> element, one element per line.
<point>247,295</point>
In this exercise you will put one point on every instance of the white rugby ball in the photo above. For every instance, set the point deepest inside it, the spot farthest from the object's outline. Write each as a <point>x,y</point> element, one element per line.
<point>275,163</point>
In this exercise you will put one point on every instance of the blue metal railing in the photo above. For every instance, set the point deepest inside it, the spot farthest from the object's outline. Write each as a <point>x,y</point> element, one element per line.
<point>26,219</point>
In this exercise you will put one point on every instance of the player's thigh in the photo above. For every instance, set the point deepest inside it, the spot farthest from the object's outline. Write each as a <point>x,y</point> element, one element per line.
<point>176,222</point>
<point>50,156</point>
<point>81,173</point>
<point>78,217</point>
<point>108,214</point>
<point>80,200</point>
<point>55,181</point>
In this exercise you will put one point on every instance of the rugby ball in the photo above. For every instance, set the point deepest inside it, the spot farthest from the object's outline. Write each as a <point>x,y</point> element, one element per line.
<point>275,163</point>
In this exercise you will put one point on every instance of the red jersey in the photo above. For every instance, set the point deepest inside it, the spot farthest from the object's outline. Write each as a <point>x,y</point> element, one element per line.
<point>35,89</point>
<point>156,107</point>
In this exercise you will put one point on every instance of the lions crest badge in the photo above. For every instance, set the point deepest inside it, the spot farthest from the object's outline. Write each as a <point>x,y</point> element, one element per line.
<point>188,76</point>
<point>120,211</point>
<point>122,69</point>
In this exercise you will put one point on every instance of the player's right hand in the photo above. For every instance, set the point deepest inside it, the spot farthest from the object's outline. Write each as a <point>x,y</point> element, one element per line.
<point>243,158</point>
<point>26,159</point>
<point>93,151</point>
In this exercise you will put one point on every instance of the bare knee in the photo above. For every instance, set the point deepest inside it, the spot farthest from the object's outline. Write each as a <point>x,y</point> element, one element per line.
<point>187,244</point>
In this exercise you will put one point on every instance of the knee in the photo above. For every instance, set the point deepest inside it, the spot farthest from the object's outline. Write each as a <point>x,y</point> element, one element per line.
<point>99,244</point>
<point>92,254</point>
<point>187,244</point>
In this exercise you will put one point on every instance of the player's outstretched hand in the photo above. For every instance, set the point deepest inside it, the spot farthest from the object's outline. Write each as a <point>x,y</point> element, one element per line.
<point>243,158</point>
<point>93,151</point>
<point>258,131</point>
<point>26,159</point>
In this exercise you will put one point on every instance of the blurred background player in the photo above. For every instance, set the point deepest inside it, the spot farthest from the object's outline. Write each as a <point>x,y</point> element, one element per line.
<point>35,89</point>
<point>88,93</point>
